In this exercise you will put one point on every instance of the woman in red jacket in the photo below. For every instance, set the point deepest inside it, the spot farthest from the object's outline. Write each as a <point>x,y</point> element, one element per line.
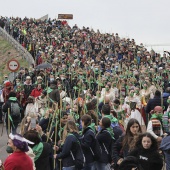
<point>37,91</point>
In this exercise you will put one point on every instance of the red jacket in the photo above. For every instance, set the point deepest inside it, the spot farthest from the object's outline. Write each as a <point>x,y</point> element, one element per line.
<point>40,60</point>
<point>19,161</point>
<point>35,92</point>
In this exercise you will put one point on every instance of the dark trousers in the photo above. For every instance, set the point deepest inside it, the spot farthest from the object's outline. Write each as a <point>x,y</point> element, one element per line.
<point>1,103</point>
<point>13,127</point>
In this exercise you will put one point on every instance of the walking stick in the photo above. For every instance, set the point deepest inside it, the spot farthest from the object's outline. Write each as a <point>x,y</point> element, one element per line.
<point>51,125</point>
<point>8,122</point>
<point>55,141</point>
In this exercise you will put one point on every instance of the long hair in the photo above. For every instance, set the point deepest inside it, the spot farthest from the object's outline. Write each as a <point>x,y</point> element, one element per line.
<point>129,139</point>
<point>70,127</point>
<point>24,125</point>
<point>93,115</point>
<point>154,145</point>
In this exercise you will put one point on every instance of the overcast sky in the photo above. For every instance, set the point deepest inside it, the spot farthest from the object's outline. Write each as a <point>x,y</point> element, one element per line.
<point>147,21</point>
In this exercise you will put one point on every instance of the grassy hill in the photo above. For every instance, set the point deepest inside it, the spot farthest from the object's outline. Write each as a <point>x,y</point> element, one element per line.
<point>7,52</point>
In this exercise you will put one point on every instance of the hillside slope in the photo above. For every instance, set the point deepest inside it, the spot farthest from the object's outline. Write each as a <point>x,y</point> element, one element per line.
<point>7,52</point>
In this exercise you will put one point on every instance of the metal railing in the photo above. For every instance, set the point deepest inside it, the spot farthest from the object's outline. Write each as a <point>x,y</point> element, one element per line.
<point>21,50</point>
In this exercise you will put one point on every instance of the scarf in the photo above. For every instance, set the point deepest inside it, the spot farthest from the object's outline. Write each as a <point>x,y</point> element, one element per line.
<point>156,125</point>
<point>110,130</point>
<point>157,116</point>
<point>37,149</point>
<point>165,121</point>
<point>114,121</point>
<point>92,127</point>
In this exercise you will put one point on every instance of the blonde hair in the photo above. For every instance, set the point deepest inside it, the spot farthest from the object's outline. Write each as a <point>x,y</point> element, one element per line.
<point>32,114</point>
<point>23,126</point>
<point>70,127</point>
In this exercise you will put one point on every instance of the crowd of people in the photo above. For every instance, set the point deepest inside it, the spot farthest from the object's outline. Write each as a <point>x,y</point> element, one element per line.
<point>93,101</point>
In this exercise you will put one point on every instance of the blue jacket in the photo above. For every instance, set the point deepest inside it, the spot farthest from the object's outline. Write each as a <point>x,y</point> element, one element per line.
<point>44,123</point>
<point>165,147</point>
<point>166,95</point>
<point>69,145</point>
<point>105,141</point>
<point>156,101</point>
<point>87,141</point>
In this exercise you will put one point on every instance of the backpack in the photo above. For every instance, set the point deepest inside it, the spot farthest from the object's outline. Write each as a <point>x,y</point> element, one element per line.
<point>96,150</point>
<point>78,156</point>
<point>15,110</point>
<point>110,151</point>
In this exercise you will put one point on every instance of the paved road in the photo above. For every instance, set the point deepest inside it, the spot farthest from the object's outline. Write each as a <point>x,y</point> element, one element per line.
<point>3,143</point>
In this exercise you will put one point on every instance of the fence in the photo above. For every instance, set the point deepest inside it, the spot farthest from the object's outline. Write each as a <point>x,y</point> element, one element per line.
<point>22,51</point>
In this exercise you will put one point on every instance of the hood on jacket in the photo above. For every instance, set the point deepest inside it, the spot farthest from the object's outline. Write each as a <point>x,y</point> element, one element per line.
<point>13,98</point>
<point>114,121</point>
<point>110,130</point>
<point>92,127</point>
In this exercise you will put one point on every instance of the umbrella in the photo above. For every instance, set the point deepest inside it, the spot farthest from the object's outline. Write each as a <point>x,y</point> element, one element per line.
<point>44,65</point>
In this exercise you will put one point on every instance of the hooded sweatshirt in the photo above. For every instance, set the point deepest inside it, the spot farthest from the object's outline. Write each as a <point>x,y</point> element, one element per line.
<point>117,131</point>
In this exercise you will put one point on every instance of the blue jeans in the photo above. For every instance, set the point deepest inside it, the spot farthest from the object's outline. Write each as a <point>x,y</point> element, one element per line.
<point>89,166</point>
<point>102,166</point>
<point>69,168</point>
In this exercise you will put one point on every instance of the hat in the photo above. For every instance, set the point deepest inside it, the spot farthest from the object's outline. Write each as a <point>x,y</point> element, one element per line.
<point>20,142</point>
<point>7,84</point>
<point>39,77</point>
<point>28,77</point>
<point>158,109</point>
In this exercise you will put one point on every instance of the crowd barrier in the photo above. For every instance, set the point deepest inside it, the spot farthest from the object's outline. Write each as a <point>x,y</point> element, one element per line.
<point>21,50</point>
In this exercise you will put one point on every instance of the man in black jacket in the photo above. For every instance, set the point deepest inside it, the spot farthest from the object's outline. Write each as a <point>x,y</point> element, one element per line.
<point>54,94</point>
<point>14,119</point>
<point>28,87</point>
<point>156,101</point>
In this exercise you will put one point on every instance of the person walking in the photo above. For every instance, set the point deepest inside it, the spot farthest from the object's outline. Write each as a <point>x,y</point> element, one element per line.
<point>126,142</point>
<point>18,159</point>
<point>146,151</point>
<point>12,109</point>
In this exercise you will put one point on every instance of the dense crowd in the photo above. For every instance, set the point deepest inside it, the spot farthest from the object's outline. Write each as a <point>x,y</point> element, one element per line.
<point>93,101</point>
